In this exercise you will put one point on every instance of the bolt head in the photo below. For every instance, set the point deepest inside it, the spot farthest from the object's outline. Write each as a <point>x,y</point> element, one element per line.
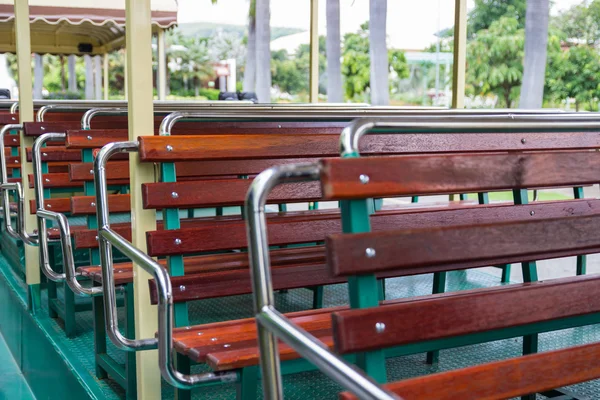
<point>523,141</point>
<point>48,205</point>
<point>370,252</point>
<point>182,288</point>
<point>364,179</point>
<point>93,204</point>
<point>213,339</point>
<point>174,195</point>
<point>169,147</point>
<point>177,242</point>
<point>88,137</point>
<point>91,172</point>
<point>15,139</point>
<point>47,180</point>
<point>45,154</point>
<point>532,213</point>
<point>379,327</point>
<point>16,161</point>
<point>43,128</point>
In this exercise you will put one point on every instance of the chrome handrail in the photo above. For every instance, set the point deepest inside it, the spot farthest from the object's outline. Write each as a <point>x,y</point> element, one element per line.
<point>108,238</point>
<point>70,274</point>
<point>272,325</point>
<point>14,107</point>
<point>351,134</point>
<point>86,120</point>
<point>36,156</point>
<point>5,186</point>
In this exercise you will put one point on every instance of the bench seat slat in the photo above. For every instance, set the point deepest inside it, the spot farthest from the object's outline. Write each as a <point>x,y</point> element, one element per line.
<point>535,373</point>
<point>443,174</point>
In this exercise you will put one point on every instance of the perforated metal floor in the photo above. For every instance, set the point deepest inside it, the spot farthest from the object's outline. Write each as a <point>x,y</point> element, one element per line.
<point>313,385</point>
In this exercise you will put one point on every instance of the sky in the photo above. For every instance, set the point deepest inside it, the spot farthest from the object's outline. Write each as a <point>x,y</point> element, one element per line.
<point>411,24</point>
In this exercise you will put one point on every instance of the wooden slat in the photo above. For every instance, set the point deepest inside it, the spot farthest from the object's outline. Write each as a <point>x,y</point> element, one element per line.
<point>86,205</point>
<point>94,138</point>
<point>438,174</point>
<point>14,161</point>
<point>323,145</point>
<point>478,311</point>
<point>60,205</point>
<point>12,140</point>
<point>39,128</point>
<point>57,180</point>
<point>225,192</point>
<point>57,153</point>
<point>504,379</point>
<point>84,172</point>
<point>482,244</point>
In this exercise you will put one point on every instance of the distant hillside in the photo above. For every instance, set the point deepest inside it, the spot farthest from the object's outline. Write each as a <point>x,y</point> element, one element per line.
<point>206,29</point>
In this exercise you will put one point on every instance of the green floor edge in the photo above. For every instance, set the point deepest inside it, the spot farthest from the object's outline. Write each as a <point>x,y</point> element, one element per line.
<point>46,366</point>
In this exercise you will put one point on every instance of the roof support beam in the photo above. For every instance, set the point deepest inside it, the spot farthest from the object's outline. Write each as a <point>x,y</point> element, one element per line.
<point>23,50</point>
<point>460,53</point>
<point>141,123</point>
<point>314,51</point>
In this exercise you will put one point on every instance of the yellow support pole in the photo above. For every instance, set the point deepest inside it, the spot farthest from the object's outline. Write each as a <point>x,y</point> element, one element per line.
<point>460,53</point>
<point>105,72</point>
<point>162,65</point>
<point>314,51</point>
<point>141,123</point>
<point>23,41</point>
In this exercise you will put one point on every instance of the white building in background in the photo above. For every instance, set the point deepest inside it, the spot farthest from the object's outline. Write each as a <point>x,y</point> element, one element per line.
<point>6,80</point>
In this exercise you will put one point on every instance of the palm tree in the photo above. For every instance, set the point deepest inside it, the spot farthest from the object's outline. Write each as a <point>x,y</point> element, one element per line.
<point>380,92</point>
<point>536,44</point>
<point>334,53</point>
<point>263,51</point>
<point>250,69</point>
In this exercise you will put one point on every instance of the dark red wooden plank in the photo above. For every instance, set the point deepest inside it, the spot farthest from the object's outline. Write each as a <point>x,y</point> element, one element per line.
<point>39,128</point>
<point>432,318</point>
<point>438,174</point>
<point>94,138</point>
<point>11,140</point>
<point>504,379</point>
<point>86,205</point>
<point>61,205</point>
<point>482,244</point>
<point>58,153</point>
<point>85,172</point>
<point>225,192</point>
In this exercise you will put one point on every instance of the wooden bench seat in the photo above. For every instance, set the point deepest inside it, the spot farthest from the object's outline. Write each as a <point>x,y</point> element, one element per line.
<point>232,344</point>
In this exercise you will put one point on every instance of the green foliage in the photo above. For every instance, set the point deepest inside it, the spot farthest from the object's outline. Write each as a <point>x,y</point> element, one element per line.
<point>574,74</point>
<point>64,96</point>
<point>495,60</point>
<point>356,63</point>
<point>486,12</point>
<point>579,24</point>
<point>210,94</point>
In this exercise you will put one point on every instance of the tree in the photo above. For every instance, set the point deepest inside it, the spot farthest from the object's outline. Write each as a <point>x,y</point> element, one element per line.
<point>487,12</point>
<point>536,49</point>
<point>334,67</point>
<point>495,60</point>
<point>356,63</point>
<point>263,52</point>
<point>580,24</point>
<point>380,91</point>
<point>250,67</point>
<point>574,73</point>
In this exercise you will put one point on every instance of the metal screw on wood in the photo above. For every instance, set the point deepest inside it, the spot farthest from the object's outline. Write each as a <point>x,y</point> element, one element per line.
<point>14,140</point>
<point>364,179</point>
<point>370,252</point>
<point>45,154</point>
<point>177,242</point>
<point>16,161</point>
<point>89,137</point>
<point>169,147</point>
<point>42,128</point>
<point>532,213</point>
<point>47,180</point>
<point>523,140</point>
<point>91,172</point>
<point>379,327</point>
<point>48,205</point>
<point>213,339</point>
<point>93,204</point>
<point>174,195</point>
<point>182,288</point>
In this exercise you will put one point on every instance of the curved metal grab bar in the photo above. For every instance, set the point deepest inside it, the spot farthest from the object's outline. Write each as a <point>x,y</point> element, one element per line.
<point>351,134</point>
<point>36,156</point>
<point>86,120</point>
<point>70,274</point>
<point>5,186</point>
<point>270,323</point>
<point>106,262</point>
<point>108,238</point>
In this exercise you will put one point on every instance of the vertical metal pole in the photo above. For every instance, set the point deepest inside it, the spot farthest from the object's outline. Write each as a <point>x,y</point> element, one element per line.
<point>314,51</point>
<point>105,71</point>
<point>141,122</point>
<point>23,41</point>
<point>162,65</point>
<point>460,53</point>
